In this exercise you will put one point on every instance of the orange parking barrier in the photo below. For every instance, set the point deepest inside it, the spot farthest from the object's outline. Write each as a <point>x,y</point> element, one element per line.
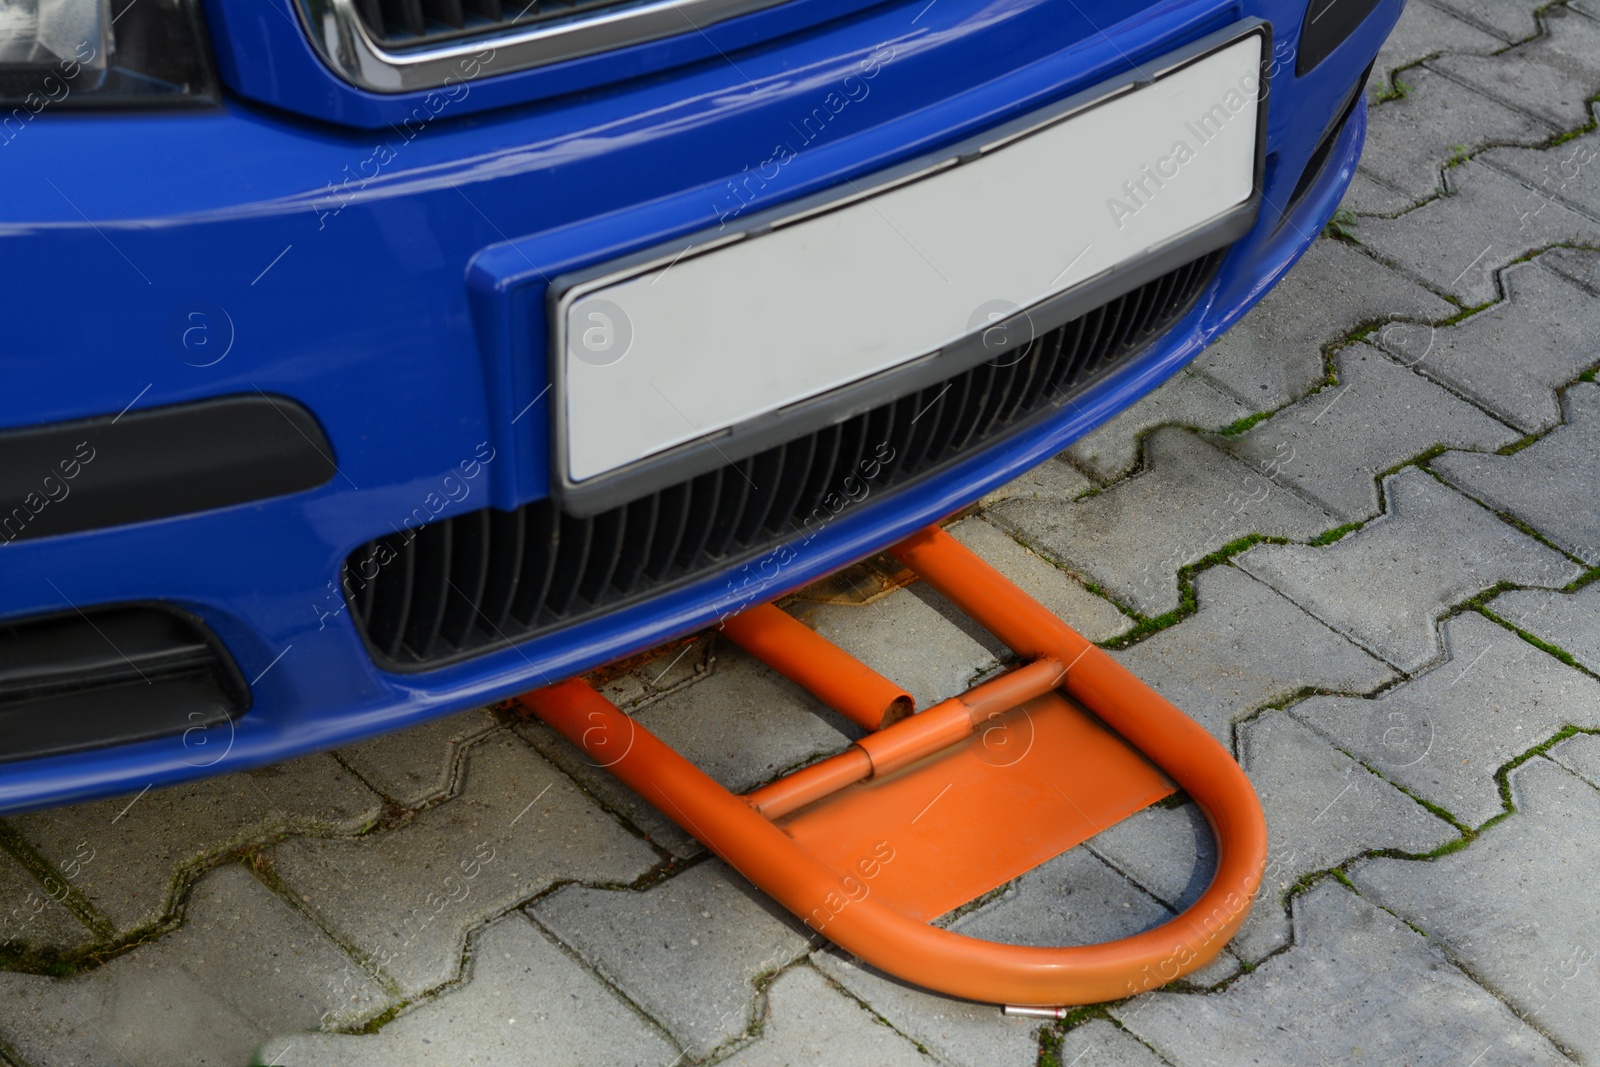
<point>930,812</point>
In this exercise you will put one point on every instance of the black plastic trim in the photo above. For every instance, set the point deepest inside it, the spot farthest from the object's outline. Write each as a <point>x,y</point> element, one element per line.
<point>1325,26</point>
<point>1317,162</point>
<point>110,675</point>
<point>151,464</point>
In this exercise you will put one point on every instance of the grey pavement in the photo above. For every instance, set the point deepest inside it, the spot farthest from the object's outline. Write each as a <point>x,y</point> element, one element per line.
<point>1579,754</point>
<point>1445,733</point>
<point>1532,484</point>
<point>1555,336</point>
<point>1531,940</point>
<point>1459,243</point>
<point>1322,809</point>
<point>1384,588</point>
<point>245,967</point>
<point>1331,446</point>
<point>1568,621</point>
<point>1425,30</point>
<point>1190,500</point>
<point>1356,539</point>
<point>1551,76</point>
<point>1275,355</point>
<point>1247,646</point>
<point>1438,120</point>
<point>689,952</point>
<point>517,827</point>
<point>1357,987</point>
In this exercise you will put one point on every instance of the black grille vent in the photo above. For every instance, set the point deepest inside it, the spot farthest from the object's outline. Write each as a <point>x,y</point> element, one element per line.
<point>410,23</point>
<point>111,675</point>
<point>464,584</point>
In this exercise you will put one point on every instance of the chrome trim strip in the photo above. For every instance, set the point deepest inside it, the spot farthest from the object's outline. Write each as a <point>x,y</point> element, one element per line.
<point>344,43</point>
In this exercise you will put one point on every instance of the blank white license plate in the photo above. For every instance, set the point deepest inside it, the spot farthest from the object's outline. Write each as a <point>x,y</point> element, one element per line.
<point>686,346</point>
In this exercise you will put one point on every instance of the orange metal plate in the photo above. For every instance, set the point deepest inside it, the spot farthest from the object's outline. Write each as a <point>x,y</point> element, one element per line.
<point>1023,789</point>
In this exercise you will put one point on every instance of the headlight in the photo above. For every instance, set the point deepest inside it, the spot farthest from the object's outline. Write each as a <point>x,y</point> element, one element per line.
<point>66,53</point>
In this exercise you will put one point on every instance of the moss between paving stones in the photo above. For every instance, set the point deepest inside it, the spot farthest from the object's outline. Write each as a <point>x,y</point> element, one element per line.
<point>1145,625</point>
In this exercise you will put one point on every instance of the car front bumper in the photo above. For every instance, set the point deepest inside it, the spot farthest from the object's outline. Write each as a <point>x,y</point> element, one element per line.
<point>336,267</point>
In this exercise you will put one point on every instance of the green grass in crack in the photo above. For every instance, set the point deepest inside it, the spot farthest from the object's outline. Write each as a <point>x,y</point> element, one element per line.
<point>1239,427</point>
<point>1396,90</point>
<point>1341,226</point>
<point>1542,645</point>
<point>1145,625</point>
<point>1328,537</point>
<point>1581,580</point>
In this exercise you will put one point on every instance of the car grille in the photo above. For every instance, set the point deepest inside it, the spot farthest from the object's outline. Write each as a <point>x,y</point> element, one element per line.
<point>465,584</point>
<point>407,23</point>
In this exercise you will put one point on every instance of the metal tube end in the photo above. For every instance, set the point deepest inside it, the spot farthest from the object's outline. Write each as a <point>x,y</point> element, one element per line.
<point>1025,1012</point>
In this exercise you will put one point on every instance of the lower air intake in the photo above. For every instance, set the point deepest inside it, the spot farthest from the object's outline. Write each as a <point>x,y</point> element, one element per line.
<point>111,675</point>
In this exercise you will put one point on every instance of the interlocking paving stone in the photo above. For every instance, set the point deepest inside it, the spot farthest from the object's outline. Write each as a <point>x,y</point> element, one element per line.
<point>406,898</point>
<point>1553,485</point>
<point>1458,243</point>
<point>1552,76</point>
<point>1517,908</point>
<point>1183,400</point>
<point>959,1032</point>
<point>1579,754</point>
<point>687,951</point>
<point>1569,172</point>
<point>1322,808</point>
<point>1366,195</point>
<point>604,786</point>
<point>1569,621</point>
<point>414,766</point>
<point>1190,500</point>
<point>1054,479</point>
<point>32,915</point>
<point>1094,617</point>
<point>1443,734</point>
<point>1423,31</point>
<point>1098,1043</point>
<point>1075,899</point>
<point>1512,21</point>
<point>1169,851</point>
<point>1357,987</point>
<point>1245,647</point>
<point>1512,357</point>
<point>525,1001</point>
<point>243,967</point>
<point>1410,139</point>
<point>1384,585</point>
<point>1274,354</point>
<point>809,1022</point>
<point>125,853</point>
<point>1575,264</point>
<point>903,638</point>
<point>1330,446</point>
<point>746,723</point>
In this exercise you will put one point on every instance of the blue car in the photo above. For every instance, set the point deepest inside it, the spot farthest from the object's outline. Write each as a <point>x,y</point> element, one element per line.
<point>368,360</point>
